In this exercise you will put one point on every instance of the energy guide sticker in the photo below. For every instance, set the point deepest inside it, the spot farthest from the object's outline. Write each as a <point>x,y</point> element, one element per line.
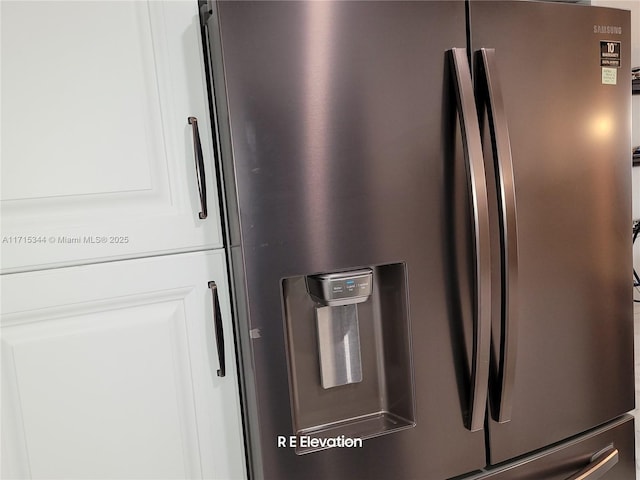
<point>609,76</point>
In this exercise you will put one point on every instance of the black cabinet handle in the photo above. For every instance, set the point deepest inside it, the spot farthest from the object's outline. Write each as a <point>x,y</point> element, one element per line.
<point>217,322</point>
<point>200,173</point>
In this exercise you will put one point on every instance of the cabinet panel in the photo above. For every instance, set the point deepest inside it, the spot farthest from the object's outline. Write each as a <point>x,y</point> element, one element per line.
<point>96,141</point>
<point>109,371</point>
<point>91,389</point>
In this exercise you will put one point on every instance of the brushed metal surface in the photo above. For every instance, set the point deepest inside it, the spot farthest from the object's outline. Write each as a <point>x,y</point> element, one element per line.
<point>570,140</point>
<point>339,345</point>
<point>490,91</point>
<point>569,460</point>
<point>476,178</point>
<point>338,135</point>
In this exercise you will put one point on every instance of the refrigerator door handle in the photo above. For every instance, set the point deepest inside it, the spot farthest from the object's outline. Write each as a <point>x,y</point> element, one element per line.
<point>600,464</point>
<point>217,322</point>
<point>476,179</point>
<point>501,405</point>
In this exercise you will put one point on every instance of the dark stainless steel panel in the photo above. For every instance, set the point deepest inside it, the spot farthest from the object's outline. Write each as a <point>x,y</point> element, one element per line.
<point>566,461</point>
<point>339,135</point>
<point>570,140</point>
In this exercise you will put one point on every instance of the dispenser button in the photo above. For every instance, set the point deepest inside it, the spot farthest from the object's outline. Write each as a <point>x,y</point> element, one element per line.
<point>349,287</point>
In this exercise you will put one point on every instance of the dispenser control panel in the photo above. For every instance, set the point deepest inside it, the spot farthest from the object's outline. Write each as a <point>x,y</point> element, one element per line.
<point>343,288</point>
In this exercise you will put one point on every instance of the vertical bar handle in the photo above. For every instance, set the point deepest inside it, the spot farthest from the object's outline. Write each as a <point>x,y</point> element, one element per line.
<point>600,464</point>
<point>217,322</point>
<point>501,406</point>
<point>200,173</point>
<point>476,179</point>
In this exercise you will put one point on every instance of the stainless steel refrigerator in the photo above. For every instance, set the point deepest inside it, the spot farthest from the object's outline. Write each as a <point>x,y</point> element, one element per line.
<point>428,224</point>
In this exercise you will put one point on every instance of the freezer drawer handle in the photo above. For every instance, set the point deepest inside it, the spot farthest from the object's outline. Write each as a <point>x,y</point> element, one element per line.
<point>476,179</point>
<point>200,173</point>
<point>501,403</point>
<point>217,321</point>
<point>601,463</point>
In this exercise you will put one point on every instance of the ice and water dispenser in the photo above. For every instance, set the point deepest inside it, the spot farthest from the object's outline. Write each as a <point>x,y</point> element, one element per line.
<point>337,295</point>
<point>349,353</point>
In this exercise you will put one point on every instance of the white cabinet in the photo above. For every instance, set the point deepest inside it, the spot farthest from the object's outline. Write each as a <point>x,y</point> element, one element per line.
<point>97,153</point>
<point>110,371</point>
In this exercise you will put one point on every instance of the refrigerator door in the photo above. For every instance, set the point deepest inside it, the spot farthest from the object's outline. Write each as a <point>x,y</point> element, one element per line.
<point>567,348</point>
<point>605,453</point>
<point>337,125</point>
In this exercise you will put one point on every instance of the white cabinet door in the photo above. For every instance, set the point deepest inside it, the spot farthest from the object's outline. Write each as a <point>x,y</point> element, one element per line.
<point>110,371</point>
<point>97,152</point>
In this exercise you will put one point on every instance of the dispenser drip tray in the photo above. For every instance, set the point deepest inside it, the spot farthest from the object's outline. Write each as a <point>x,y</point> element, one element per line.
<point>367,426</point>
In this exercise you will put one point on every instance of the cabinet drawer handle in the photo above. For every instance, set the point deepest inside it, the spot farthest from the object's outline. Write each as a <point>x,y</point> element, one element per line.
<point>200,173</point>
<point>217,322</point>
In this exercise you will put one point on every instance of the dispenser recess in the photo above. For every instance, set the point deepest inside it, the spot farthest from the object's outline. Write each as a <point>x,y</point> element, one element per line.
<point>349,353</point>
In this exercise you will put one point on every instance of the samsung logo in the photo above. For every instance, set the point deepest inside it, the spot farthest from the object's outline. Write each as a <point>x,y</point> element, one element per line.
<point>609,29</point>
